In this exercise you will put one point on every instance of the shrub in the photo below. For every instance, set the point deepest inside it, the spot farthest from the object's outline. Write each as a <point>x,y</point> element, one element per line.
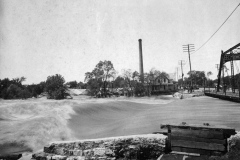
<point>93,86</point>
<point>4,84</point>
<point>4,93</point>
<point>13,92</point>
<point>55,87</point>
<point>59,93</point>
<point>24,94</point>
<point>13,89</point>
<point>139,89</point>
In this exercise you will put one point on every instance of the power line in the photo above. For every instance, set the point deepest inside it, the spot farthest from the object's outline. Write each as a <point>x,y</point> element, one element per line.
<point>217,29</point>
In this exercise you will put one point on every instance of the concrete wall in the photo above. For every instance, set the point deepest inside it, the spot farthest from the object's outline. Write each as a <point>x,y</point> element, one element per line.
<point>149,146</point>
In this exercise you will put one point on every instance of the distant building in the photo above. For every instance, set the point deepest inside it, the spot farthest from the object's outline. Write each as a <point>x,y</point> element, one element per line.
<point>161,84</point>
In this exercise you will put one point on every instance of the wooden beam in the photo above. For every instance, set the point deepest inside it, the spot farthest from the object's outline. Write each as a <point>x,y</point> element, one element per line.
<point>185,153</point>
<point>226,130</point>
<point>171,157</point>
<point>195,139</point>
<point>199,151</point>
<point>198,145</point>
<point>197,133</point>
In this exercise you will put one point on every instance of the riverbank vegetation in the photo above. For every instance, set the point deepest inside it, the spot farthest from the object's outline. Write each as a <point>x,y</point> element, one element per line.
<point>102,81</point>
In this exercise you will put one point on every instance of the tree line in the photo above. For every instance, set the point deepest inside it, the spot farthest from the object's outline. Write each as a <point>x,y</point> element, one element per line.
<point>54,87</point>
<point>14,89</point>
<point>197,78</point>
<point>102,79</point>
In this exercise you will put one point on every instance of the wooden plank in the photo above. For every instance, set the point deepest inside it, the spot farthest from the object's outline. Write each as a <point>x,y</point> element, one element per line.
<point>226,130</point>
<point>171,157</point>
<point>199,151</point>
<point>185,153</point>
<point>196,139</point>
<point>198,145</point>
<point>209,134</point>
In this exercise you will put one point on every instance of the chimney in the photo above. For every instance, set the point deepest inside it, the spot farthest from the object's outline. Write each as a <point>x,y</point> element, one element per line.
<point>140,61</point>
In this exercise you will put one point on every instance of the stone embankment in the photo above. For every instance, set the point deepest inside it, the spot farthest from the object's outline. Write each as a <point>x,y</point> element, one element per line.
<point>149,146</point>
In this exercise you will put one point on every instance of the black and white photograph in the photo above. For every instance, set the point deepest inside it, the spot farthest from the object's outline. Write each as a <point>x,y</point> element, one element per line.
<point>119,80</point>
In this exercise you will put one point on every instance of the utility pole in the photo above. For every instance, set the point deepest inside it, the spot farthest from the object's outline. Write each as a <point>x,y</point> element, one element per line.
<point>223,82</point>
<point>176,76</point>
<point>217,66</point>
<point>181,62</point>
<point>189,48</point>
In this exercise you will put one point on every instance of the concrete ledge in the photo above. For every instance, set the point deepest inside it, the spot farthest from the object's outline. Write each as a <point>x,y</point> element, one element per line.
<point>149,146</point>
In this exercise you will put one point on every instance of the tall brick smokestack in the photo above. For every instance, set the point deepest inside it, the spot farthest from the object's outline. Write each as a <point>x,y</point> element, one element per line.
<point>140,61</point>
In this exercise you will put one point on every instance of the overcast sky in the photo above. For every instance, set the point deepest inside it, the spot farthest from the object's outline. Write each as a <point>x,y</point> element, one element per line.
<point>39,38</point>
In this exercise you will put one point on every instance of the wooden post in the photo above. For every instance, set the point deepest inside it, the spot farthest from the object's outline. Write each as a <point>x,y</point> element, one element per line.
<point>168,142</point>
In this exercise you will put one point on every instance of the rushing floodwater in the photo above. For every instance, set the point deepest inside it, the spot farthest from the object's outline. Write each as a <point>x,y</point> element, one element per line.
<point>31,124</point>
<point>28,125</point>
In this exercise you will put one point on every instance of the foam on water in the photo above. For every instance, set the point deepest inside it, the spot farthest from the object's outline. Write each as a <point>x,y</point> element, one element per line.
<point>34,124</point>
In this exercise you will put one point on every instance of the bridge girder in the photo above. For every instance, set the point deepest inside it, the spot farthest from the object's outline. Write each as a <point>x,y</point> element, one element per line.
<point>231,54</point>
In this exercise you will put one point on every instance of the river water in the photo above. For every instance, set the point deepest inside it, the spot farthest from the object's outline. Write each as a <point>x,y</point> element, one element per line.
<point>28,125</point>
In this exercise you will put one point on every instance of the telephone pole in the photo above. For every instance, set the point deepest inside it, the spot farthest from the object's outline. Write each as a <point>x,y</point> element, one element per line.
<point>182,62</point>
<point>189,48</point>
<point>217,66</point>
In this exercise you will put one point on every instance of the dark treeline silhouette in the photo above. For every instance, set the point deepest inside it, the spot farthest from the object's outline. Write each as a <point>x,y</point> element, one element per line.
<point>14,89</point>
<point>54,88</point>
<point>199,79</point>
